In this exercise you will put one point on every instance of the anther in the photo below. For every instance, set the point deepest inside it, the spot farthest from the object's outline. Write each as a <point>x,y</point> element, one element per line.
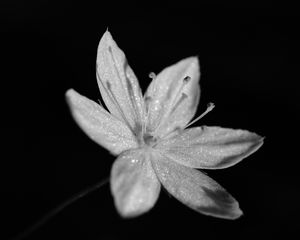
<point>187,79</point>
<point>152,75</point>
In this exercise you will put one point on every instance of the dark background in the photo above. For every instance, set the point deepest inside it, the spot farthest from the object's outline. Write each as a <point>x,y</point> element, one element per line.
<point>249,59</point>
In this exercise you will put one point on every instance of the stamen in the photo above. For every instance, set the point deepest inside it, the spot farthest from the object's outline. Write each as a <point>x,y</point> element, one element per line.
<point>175,100</point>
<point>186,79</point>
<point>176,131</point>
<point>100,103</point>
<point>210,107</point>
<point>128,85</point>
<point>183,96</point>
<point>109,93</point>
<point>117,104</point>
<point>147,100</point>
<point>132,95</point>
<point>138,132</point>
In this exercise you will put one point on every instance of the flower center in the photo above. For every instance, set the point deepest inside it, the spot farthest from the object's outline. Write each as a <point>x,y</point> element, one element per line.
<point>149,139</point>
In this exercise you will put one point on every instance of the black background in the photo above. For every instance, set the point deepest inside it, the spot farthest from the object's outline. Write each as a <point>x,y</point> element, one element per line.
<point>249,63</point>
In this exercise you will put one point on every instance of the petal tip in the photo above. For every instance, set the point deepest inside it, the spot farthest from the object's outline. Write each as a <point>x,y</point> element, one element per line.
<point>258,141</point>
<point>105,41</point>
<point>239,213</point>
<point>69,92</point>
<point>236,212</point>
<point>72,97</point>
<point>224,205</point>
<point>107,35</point>
<point>69,95</point>
<point>129,209</point>
<point>193,60</point>
<point>130,214</point>
<point>261,139</point>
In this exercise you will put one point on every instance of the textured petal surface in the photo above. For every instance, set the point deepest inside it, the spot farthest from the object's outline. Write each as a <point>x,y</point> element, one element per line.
<point>118,85</point>
<point>134,185</point>
<point>210,147</point>
<point>100,125</point>
<point>195,189</point>
<point>172,98</point>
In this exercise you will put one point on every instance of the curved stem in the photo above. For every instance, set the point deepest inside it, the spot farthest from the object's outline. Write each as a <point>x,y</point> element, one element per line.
<point>58,209</point>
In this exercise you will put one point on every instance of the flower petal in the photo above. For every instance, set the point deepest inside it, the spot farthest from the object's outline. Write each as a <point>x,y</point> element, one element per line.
<point>100,125</point>
<point>172,97</point>
<point>134,185</point>
<point>195,189</point>
<point>210,147</point>
<point>117,83</point>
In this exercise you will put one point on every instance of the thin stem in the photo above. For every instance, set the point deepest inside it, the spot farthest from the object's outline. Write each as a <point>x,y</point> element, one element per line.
<point>58,209</point>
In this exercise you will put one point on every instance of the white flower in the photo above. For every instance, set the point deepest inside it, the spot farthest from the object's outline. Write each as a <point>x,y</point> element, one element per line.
<point>149,134</point>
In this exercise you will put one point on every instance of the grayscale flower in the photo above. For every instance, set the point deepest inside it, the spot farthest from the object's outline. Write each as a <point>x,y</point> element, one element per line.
<point>149,135</point>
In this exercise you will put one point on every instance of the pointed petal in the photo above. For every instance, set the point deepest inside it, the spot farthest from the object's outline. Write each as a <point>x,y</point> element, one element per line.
<point>172,97</point>
<point>134,185</point>
<point>99,125</point>
<point>195,189</point>
<point>118,85</point>
<point>210,147</point>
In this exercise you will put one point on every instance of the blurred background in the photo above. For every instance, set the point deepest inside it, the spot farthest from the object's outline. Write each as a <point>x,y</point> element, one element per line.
<point>249,58</point>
